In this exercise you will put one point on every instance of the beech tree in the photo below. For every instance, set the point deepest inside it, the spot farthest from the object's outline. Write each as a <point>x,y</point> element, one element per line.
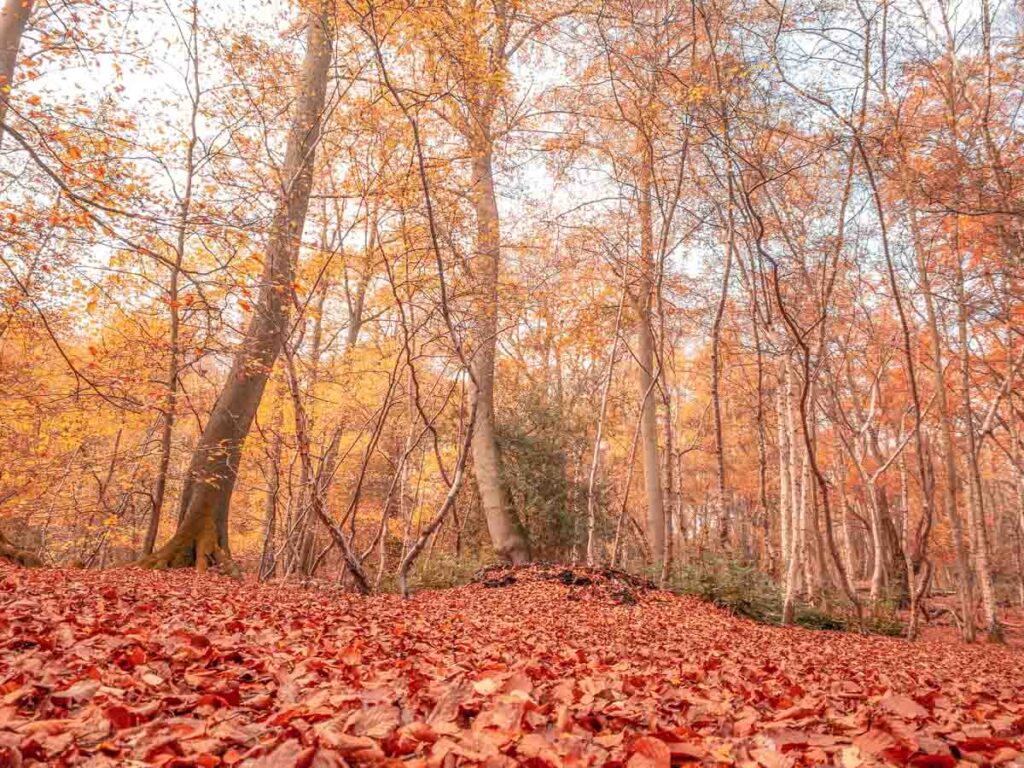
<point>202,535</point>
<point>679,299</point>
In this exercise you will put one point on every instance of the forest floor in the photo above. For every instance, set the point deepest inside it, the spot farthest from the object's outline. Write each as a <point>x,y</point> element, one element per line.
<point>535,667</point>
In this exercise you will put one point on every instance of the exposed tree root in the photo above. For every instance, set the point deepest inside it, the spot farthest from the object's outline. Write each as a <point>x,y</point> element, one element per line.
<point>14,553</point>
<point>194,545</point>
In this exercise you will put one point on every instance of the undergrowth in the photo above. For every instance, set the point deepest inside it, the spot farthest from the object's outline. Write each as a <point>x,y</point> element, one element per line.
<point>737,587</point>
<point>745,591</point>
<point>441,571</point>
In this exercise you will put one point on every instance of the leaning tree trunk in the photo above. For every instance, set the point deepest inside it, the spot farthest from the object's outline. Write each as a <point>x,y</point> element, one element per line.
<point>507,534</point>
<point>202,535</point>
<point>13,19</point>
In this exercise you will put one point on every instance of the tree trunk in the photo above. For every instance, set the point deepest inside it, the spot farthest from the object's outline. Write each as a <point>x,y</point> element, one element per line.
<point>716,373</point>
<point>12,26</point>
<point>791,555</point>
<point>785,508</point>
<point>10,551</point>
<point>12,22</point>
<point>306,534</point>
<point>965,588</point>
<point>268,558</point>
<point>202,535</point>
<point>599,435</point>
<point>975,500</point>
<point>507,535</point>
<point>647,378</point>
<point>171,397</point>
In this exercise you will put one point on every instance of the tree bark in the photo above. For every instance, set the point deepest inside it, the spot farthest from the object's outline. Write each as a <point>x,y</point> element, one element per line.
<point>12,26</point>
<point>12,23</point>
<point>306,533</point>
<point>782,425</point>
<point>965,588</point>
<point>647,372</point>
<point>975,499</point>
<point>184,210</point>
<point>507,535</point>
<point>595,460</point>
<point>268,558</point>
<point>716,371</point>
<point>792,555</point>
<point>202,535</point>
<point>12,552</point>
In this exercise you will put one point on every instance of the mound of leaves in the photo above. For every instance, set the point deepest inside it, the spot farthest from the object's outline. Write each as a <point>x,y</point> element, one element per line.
<point>138,668</point>
<point>586,583</point>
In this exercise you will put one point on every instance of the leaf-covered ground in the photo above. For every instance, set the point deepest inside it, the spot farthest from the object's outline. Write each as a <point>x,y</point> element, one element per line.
<point>139,668</point>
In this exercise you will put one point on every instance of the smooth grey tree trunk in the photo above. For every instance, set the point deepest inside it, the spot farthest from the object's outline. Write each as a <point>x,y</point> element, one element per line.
<point>647,373</point>
<point>506,532</point>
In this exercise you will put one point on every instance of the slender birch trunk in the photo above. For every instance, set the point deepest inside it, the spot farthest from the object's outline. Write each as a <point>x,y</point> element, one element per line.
<point>599,434</point>
<point>975,499</point>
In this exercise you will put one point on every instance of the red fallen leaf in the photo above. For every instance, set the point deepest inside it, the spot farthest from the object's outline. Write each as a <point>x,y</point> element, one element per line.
<point>230,694</point>
<point>32,749</point>
<point>168,747</point>
<point>192,761</point>
<point>45,726</point>
<point>788,739</point>
<point>1005,755</point>
<point>325,758</point>
<point>81,691</point>
<point>287,715</point>
<point>649,752</point>
<point>535,750</point>
<point>212,700</point>
<point>686,753</point>
<point>983,744</point>
<point>287,754</point>
<point>410,738</point>
<point>770,758</point>
<point>108,748</point>
<point>878,743</point>
<point>260,701</point>
<point>121,717</point>
<point>421,731</point>
<point>933,761</point>
<point>332,734</point>
<point>903,706</point>
<point>376,722</point>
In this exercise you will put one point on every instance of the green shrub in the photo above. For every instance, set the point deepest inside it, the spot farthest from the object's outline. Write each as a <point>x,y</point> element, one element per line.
<point>747,592</point>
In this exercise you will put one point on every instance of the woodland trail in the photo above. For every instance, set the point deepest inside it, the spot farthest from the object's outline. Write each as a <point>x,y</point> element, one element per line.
<point>130,667</point>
